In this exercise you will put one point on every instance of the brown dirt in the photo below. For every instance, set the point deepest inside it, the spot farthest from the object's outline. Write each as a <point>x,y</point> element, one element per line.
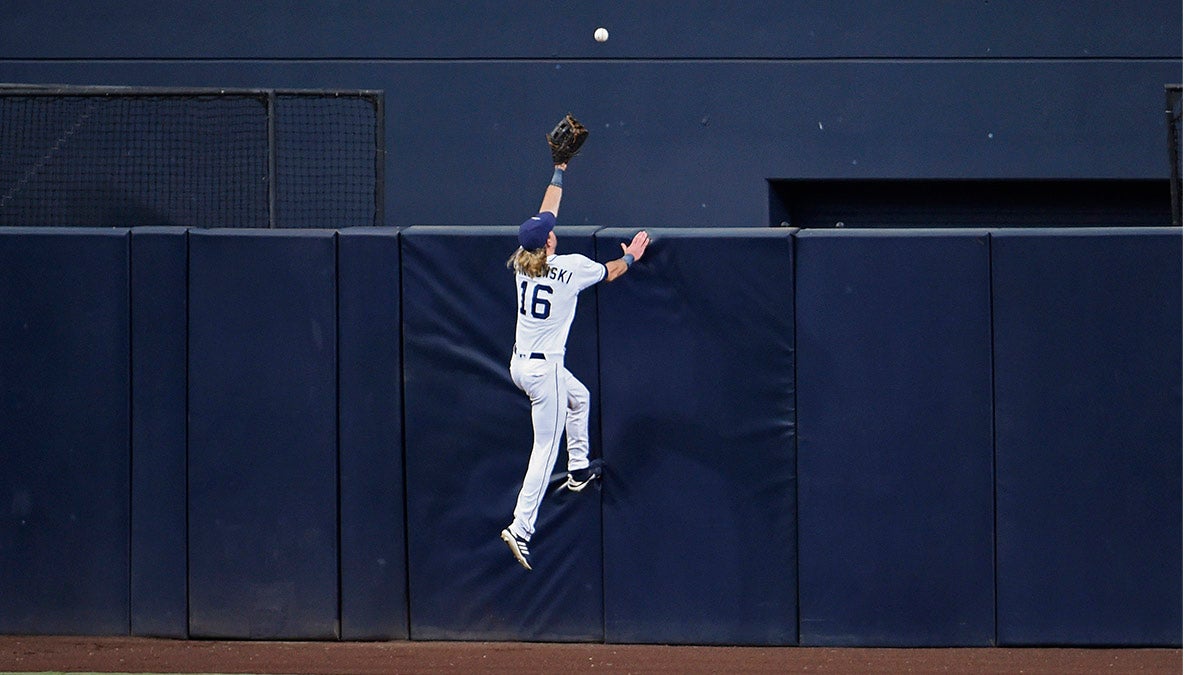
<point>141,655</point>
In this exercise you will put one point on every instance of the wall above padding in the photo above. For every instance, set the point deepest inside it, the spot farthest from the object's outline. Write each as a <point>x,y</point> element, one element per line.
<point>693,108</point>
<point>381,30</point>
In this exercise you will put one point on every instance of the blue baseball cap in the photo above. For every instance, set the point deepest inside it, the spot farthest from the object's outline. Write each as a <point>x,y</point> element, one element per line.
<point>535,231</point>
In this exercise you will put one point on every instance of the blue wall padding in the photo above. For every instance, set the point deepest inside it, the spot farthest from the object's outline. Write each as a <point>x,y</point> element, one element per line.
<point>696,367</point>
<point>1089,425</point>
<point>64,431</point>
<point>893,386</point>
<point>835,437</point>
<point>374,580</point>
<point>158,534</point>
<point>262,435</point>
<point>467,441</point>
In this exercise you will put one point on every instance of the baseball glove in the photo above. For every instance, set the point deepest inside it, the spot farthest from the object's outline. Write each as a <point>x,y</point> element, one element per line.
<point>566,138</point>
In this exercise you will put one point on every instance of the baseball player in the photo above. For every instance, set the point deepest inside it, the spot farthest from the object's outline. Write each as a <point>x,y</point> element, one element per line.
<point>547,286</point>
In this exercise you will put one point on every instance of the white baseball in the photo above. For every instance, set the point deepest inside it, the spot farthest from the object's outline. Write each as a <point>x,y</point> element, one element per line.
<point>601,34</point>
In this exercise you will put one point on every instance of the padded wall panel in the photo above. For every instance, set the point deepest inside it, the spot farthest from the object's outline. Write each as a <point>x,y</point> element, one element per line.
<point>262,435</point>
<point>1089,440</point>
<point>64,431</point>
<point>467,442</point>
<point>158,551</point>
<point>374,600</point>
<point>696,367</point>
<point>895,455</point>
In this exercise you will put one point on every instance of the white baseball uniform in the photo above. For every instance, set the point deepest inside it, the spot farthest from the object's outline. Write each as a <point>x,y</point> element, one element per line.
<point>545,310</point>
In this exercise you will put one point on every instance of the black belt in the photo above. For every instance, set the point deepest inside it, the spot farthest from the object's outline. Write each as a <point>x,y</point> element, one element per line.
<point>532,355</point>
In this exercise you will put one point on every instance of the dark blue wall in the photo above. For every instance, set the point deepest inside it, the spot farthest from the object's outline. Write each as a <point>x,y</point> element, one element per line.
<point>381,29</point>
<point>64,431</point>
<point>374,572</point>
<point>262,434</point>
<point>158,506</point>
<point>1089,403</point>
<point>894,413</point>
<point>863,438</point>
<point>291,440</point>
<point>694,108</point>
<point>467,443</point>
<point>699,405</point>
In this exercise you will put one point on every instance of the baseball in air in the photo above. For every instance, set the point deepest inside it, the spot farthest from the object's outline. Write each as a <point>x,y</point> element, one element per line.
<point>601,34</point>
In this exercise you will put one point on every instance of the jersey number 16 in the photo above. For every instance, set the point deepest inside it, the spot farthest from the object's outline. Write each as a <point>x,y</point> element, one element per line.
<point>539,307</point>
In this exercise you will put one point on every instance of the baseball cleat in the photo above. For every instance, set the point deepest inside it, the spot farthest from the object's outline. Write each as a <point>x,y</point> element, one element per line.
<point>579,479</point>
<point>518,546</point>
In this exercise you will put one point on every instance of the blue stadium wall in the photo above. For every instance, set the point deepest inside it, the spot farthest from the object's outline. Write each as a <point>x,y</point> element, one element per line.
<point>925,437</point>
<point>695,105</point>
<point>900,437</point>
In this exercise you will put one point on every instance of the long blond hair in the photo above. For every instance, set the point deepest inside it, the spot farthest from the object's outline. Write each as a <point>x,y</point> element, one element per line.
<point>529,263</point>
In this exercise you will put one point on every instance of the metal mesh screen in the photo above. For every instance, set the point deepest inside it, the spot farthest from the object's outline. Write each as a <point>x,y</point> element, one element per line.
<point>326,150</point>
<point>118,157</point>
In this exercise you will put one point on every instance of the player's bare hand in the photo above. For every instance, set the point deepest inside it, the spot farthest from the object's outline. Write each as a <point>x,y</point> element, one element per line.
<point>637,247</point>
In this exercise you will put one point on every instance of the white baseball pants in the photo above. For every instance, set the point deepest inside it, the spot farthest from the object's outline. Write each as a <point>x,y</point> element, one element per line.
<point>558,401</point>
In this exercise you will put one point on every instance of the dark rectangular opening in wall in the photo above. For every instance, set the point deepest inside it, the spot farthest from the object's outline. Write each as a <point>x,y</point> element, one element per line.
<point>829,203</point>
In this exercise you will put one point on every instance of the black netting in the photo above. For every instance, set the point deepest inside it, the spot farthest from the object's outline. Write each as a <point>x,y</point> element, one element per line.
<point>98,157</point>
<point>326,160</point>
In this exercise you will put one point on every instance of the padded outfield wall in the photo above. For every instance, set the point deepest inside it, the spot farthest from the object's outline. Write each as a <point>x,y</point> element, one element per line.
<point>902,438</point>
<point>967,436</point>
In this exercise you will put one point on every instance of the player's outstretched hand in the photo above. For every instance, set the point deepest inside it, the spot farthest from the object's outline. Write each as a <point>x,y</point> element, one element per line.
<point>637,247</point>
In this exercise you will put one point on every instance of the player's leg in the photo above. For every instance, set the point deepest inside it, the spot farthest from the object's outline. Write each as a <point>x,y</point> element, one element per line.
<point>580,472</point>
<point>578,409</point>
<point>546,386</point>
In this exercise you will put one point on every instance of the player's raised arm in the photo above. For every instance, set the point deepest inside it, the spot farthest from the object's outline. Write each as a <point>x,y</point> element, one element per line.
<point>554,190</point>
<point>633,251</point>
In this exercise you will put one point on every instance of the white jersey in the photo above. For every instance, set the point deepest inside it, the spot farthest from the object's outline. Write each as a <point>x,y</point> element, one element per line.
<point>546,305</point>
